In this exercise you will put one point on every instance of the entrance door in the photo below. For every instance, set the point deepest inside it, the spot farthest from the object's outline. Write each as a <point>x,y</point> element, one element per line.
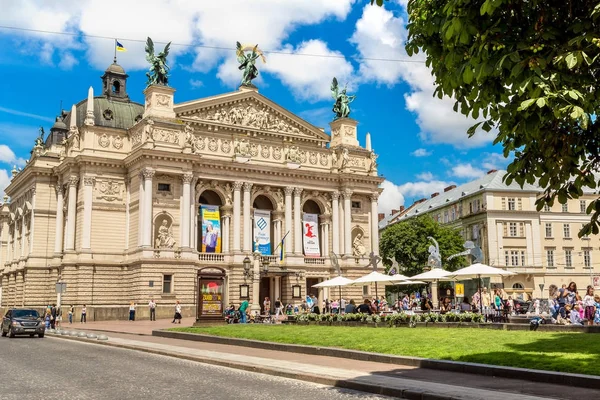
<point>310,290</point>
<point>265,291</point>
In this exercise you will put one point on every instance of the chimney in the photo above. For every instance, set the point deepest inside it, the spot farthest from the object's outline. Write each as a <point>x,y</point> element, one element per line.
<point>401,208</point>
<point>395,211</point>
<point>435,195</point>
<point>491,171</point>
<point>419,201</point>
<point>381,216</point>
<point>449,188</point>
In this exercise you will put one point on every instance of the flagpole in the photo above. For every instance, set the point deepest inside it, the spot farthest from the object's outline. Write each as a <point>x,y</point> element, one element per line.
<point>115,59</point>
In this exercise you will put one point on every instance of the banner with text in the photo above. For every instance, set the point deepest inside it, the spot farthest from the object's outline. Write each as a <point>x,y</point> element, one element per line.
<point>310,227</point>
<point>262,231</point>
<point>211,229</point>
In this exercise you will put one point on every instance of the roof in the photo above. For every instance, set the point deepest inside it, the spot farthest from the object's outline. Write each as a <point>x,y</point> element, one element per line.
<point>122,114</point>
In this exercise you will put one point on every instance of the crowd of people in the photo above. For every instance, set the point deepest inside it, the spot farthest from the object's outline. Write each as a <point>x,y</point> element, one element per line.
<point>566,306</point>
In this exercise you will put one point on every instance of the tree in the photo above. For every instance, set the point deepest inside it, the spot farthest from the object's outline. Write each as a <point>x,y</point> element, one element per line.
<point>407,242</point>
<point>529,69</point>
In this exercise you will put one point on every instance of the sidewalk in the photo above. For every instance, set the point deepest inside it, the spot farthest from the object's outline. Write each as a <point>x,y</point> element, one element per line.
<point>361,375</point>
<point>142,327</point>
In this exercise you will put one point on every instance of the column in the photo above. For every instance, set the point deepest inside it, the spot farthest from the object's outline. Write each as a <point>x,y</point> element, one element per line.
<point>341,228</point>
<point>32,221</point>
<point>185,220</point>
<point>247,221</point>
<point>347,222</point>
<point>193,231</point>
<point>237,186</point>
<point>71,212</point>
<point>127,210</point>
<point>277,291</point>
<point>288,218</point>
<point>88,186</point>
<point>147,233</point>
<point>335,221</point>
<point>374,225</point>
<point>23,228</point>
<point>297,222</point>
<point>325,251</point>
<point>255,306</point>
<point>141,200</point>
<point>225,235</point>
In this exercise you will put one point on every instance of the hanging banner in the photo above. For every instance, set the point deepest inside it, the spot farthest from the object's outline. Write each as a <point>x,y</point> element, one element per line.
<point>262,232</point>
<point>211,229</point>
<point>310,227</point>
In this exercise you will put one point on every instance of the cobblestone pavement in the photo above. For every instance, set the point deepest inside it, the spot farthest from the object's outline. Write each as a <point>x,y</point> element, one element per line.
<point>62,369</point>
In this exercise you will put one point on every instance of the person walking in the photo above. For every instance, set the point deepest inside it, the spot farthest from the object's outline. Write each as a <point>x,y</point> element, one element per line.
<point>71,312</point>
<point>152,306</point>
<point>53,316</point>
<point>132,311</point>
<point>242,309</point>
<point>278,307</point>
<point>58,316</point>
<point>590,305</point>
<point>83,314</point>
<point>177,316</point>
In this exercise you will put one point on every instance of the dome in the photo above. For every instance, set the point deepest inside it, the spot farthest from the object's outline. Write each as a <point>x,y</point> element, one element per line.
<point>59,125</point>
<point>115,69</point>
<point>109,113</point>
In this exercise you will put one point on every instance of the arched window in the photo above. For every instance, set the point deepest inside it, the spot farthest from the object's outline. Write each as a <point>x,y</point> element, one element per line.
<point>116,87</point>
<point>518,286</point>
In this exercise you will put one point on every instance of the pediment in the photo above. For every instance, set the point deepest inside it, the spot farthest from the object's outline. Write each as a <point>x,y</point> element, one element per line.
<point>247,109</point>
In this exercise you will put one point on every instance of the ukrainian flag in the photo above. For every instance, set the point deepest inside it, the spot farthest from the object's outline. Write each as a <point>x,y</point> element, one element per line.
<point>119,46</point>
<point>282,251</point>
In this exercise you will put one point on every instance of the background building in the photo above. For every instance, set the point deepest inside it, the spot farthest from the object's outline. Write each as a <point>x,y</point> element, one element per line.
<point>111,203</point>
<point>542,247</point>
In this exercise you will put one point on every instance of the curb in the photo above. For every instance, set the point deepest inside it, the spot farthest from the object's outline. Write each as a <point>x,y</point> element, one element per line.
<point>533,375</point>
<point>344,384</point>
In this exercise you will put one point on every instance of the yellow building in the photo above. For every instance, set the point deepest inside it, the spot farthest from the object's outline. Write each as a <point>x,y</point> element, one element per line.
<point>542,247</point>
<point>111,202</point>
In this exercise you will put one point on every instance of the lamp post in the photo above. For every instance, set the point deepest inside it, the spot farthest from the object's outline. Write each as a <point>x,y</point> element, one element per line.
<point>255,307</point>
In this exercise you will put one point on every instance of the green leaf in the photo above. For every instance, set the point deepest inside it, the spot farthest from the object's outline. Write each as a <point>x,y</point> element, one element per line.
<point>525,104</point>
<point>571,60</point>
<point>471,130</point>
<point>541,102</point>
<point>573,94</point>
<point>468,74</point>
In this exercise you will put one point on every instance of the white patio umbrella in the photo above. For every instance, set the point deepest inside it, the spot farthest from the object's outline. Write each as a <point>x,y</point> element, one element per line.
<point>399,278</point>
<point>435,275</point>
<point>402,283</point>
<point>374,277</point>
<point>478,271</point>
<point>338,281</point>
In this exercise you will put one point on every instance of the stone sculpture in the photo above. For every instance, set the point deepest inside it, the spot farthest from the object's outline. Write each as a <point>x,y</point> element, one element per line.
<point>165,239</point>
<point>341,107</point>
<point>159,70</point>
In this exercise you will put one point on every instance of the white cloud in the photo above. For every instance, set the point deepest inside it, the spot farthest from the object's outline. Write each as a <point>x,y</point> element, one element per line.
<point>4,181</point>
<point>67,61</point>
<point>425,176</point>
<point>496,161</point>
<point>25,114</point>
<point>379,34</point>
<point>422,188</point>
<point>421,153</point>
<point>466,171</point>
<point>7,156</point>
<point>319,117</point>
<point>391,198</point>
<point>196,83</point>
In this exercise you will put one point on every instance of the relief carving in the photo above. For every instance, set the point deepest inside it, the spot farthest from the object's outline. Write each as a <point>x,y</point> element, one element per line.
<point>265,151</point>
<point>165,135</point>
<point>313,158</point>
<point>163,100</point>
<point>136,138</point>
<point>118,142</point>
<point>242,148</point>
<point>293,155</point>
<point>277,153</point>
<point>226,146</point>
<point>324,159</point>
<point>109,191</point>
<point>213,145</point>
<point>349,131</point>
<point>104,141</point>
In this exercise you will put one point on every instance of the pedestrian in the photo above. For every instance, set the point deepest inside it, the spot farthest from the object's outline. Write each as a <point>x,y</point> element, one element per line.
<point>177,316</point>
<point>278,307</point>
<point>152,306</point>
<point>53,316</point>
<point>47,319</point>
<point>267,306</point>
<point>58,316</point>
<point>83,314</point>
<point>242,309</point>
<point>132,311</point>
<point>590,305</point>
<point>71,311</point>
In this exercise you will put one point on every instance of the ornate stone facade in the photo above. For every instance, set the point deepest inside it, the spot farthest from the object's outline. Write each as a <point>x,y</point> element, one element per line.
<point>123,222</point>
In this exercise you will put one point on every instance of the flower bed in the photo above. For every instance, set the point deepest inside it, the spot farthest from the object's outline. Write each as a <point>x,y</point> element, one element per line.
<point>389,319</point>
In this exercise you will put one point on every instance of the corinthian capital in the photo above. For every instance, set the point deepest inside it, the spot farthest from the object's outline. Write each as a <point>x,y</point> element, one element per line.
<point>335,195</point>
<point>148,173</point>
<point>298,191</point>
<point>347,193</point>
<point>374,197</point>
<point>289,190</point>
<point>88,180</point>
<point>247,186</point>
<point>187,178</point>
<point>73,180</point>
<point>237,186</point>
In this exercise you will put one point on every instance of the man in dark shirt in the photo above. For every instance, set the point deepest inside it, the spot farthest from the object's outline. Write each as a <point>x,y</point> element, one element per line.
<point>365,308</point>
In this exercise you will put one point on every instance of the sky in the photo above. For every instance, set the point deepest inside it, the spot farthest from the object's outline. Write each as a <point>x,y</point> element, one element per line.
<point>421,142</point>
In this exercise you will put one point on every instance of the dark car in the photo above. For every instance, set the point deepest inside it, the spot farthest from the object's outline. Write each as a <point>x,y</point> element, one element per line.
<point>22,321</point>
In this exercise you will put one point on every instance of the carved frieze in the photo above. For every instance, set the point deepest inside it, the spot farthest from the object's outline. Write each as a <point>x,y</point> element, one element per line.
<point>104,140</point>
<point>277,153</point>
<point>109,190</point>
<point>265,151</point>
<point>324,159</point>
<point>118,142</point>
<point>165,135</point>
<point>212,144</point>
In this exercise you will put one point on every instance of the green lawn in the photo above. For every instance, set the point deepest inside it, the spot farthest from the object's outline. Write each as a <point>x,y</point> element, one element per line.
<point>565,352</point>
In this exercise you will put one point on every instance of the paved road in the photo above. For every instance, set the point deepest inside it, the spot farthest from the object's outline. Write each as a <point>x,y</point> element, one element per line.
<point>62,369</point>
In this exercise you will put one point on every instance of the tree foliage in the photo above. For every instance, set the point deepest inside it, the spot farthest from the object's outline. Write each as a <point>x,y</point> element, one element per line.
<point>407,242</point>
<point>529,69</point>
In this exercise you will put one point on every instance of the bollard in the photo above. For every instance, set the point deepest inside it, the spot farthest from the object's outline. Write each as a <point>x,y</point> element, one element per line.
<point>73,333</point>
<point>92,336</point>
<point>102,337</point>
<point>65,333</point>
<point>81,334</point>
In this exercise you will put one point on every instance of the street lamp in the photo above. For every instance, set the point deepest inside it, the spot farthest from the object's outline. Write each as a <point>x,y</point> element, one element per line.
<point>247,267</point>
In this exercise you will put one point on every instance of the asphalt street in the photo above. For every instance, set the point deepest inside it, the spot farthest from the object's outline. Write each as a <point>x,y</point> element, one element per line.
<point>52,368</point>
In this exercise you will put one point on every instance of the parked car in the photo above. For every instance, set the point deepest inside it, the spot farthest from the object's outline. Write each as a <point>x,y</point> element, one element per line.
<point>22,321</point>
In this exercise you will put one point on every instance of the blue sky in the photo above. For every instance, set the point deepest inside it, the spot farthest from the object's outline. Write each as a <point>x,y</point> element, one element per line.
<point>422,144</point>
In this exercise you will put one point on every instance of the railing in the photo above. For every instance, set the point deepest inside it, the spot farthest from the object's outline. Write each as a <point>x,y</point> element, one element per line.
<point>314,260</point>
<point>211,257</point>
<point>269,259</point>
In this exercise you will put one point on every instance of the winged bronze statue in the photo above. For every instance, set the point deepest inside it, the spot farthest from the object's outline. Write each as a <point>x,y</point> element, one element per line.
<point>247,63</point>
<point>158,73</point>
<point>341,108</point>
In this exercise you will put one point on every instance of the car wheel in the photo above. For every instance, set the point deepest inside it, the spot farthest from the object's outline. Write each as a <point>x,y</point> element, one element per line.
<point>40,335</point>
<point>11,334</point>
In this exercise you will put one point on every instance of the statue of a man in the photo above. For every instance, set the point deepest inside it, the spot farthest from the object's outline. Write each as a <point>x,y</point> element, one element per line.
<point>341,107</point>
<point>345,158</point>
<point>165,236</point>
<point>247,63</point>
<point>159,70</point>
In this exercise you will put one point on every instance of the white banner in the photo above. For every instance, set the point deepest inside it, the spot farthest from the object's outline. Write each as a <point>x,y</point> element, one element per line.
<point>310,228</point>
<point>262,232</point>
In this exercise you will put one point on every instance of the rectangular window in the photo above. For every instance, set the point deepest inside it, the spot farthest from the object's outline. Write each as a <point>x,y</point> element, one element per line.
<point>522,258</point>
<point>548,230</point>
<point>568,259</point>
<point>504,203</point>
<point>519,204</point>
<point>505,228</point>
<point>470,207</point>
<point>446,216</point>
<point>550,257</point>
<point>582,206</point>
<point>365,290</point>
<point>565,207</point>
<point>167,283</point>
<point>585,237</point>
<point>566,231</point>
<point>512,228</point>
<point>511,204</point>
<point>514,258</point>
<point>164,187</point>
<point>521,229</point>
<point>453,215</point>
<point>356,204</point>
<point>546,208</point>
<point>587,259</point>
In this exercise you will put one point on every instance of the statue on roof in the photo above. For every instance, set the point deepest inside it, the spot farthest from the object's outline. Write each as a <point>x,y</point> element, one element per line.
<point>341,107</point>
<point>159,70</point>
<point>39,141</point>
<point>247,62</point>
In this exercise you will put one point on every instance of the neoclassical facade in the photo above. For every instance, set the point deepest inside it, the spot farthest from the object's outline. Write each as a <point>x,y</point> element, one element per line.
<point>121,199</point>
